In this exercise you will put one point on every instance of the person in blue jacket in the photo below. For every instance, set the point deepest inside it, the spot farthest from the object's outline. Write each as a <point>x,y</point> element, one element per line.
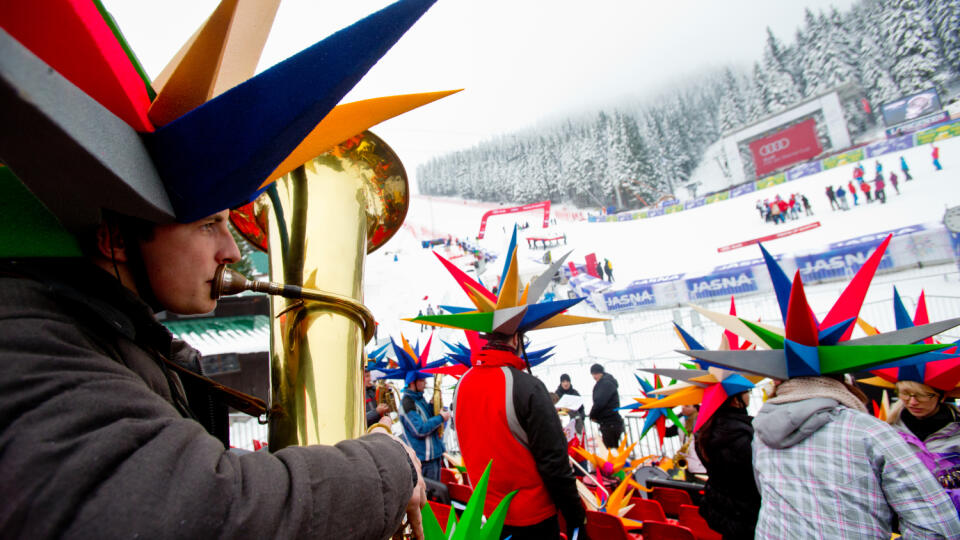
<point>421,428</point>
<point>905,169</point>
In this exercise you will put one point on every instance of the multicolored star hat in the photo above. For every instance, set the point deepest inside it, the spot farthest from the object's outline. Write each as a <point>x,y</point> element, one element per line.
<point>510,312</point>
<point>940,369</point>
<point>653,417</point>
<point>205,136</point>
<point>808,347</point>
<point>377,359</point>
<point>411,361</point>
<point>460,356</point>
<point>709,388</point>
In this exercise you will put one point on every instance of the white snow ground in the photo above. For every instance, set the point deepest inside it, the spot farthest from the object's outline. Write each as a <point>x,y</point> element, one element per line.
<point>683,242</point>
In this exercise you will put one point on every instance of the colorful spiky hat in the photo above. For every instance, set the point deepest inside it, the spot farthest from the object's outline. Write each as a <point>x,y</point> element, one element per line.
<point>377,359</point>
<point>654,416</point>
<point>808,347</point>
<point>411,361</point>
<point>460,356</point>
<point>203,137</point>
<point>709,388</point>
<point>940,370</point>
<point>511,312</point>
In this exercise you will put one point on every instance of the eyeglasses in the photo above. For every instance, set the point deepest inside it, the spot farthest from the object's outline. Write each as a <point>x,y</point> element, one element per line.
<point>906,396</point>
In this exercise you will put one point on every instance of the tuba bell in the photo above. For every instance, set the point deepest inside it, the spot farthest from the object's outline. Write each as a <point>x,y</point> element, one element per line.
<point>317,223</point>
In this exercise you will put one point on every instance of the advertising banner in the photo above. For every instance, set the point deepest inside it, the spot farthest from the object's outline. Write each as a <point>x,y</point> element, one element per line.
<point>798,142</point>
<point>743,189</point>
<point>545,205</point>
<point>839,263</point>
<point>804,170</point>
<point>743,264</point>
<point>890,145</point>
<point>721,284</point>
<point>877,237</point>
<point>940,132</point>
<point>673,209</point>
<point>651,281</point>
<point>911,107</point>
<point>721,196</point>
<point>770,181</point>
<point>918,124</point>
<point>654,212</point>
<point>696,203</point>
<point>836,160</point>
<point>629,298</point>
<point>774,236</point>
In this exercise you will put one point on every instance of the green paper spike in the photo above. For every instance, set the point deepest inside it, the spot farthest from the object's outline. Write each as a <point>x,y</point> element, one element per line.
<point>112,24</point>
<point>839,358</point>
<point>676,420</point>
<point>481,321</point>
<point>27,227</point>
<point>772,340</point>
<point>469,526</point>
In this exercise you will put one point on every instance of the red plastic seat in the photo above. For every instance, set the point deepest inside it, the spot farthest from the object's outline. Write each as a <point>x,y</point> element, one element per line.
<point>459,495</point>
<point>601,525</point>
<point>656,530</point>
<point>646,510</point>
<point>442,512</point>
<point>670,499</point>
<point>448,476</point>
<point>690,517</point>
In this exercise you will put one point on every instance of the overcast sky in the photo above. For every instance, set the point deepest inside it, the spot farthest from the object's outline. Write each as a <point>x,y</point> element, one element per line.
<point>521,62</point>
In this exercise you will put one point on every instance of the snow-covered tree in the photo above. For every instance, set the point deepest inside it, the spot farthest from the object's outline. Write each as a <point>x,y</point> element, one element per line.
<point>915,49</point>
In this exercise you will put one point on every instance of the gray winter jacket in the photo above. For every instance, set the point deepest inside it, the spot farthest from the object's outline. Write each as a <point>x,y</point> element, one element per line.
<point>827,471</point>
<point>95,442</point>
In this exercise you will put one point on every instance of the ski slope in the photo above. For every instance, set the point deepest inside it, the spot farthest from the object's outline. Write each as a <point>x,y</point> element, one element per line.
<point>682,242</point>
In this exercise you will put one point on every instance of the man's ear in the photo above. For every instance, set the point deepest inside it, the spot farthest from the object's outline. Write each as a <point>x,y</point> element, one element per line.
<point>110,242</point>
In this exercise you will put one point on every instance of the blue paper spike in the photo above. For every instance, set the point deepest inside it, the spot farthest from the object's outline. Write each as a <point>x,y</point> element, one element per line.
<point>688,340</point>
<point>217,155</point>
<point>736,383</point>
<point>538,313</point>
<point>832,335</point>
<point>781,283</point>
<point>651,420</point>
<point>913,373</point>
<point>508,257</point>
<point>630,407</point>
<point>647,387</point>
<point>802,360</point>
<point>458,309</point>
<point>903,319</point>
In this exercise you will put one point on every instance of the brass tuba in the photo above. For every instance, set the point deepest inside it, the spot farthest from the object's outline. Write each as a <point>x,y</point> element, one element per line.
<point>319,221</point>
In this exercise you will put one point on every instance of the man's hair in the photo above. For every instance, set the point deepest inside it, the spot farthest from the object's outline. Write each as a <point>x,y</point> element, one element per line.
<point>564,377</point>
<point>596,368</point>
<point>132,229</point>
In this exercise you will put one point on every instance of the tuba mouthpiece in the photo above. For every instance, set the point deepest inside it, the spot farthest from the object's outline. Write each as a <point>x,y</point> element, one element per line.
<point>227,282</point>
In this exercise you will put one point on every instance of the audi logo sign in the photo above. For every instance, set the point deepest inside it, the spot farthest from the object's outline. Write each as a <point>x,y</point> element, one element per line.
<point>775,146</point>
<point>785,147</point>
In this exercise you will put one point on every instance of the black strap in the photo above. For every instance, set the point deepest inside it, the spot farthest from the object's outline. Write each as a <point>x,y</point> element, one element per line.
<point>246,403</point>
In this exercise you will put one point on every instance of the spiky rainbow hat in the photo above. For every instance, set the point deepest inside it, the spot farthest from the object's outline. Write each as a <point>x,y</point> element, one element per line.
<point>808,347</point>
<point>460,356</point>
<point>203,137</point>
<point>377,359</point>
<point>509,312</point>
<point>411,362</point>
<point>941,370</point>
<point>653,416</point>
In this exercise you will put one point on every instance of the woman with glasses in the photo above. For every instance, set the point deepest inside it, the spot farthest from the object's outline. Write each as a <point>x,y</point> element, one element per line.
<point>932,428</point>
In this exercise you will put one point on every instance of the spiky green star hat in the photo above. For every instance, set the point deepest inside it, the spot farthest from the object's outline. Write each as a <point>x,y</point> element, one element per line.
<point>808,347</point>
<point>86,131</point>
<point>460,356</point>
<point>510,312</point>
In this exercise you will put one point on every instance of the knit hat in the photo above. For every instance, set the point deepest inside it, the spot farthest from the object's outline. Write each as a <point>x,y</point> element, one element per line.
<point>205,136</point>
<point>564,377</point>
<point>509,312</point>
<point>808,347</point>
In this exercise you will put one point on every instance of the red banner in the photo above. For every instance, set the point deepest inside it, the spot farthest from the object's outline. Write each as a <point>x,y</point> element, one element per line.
<point>591,260</point>
<point>514,210</point>
<point>781,234</point>
<point>796,143</point>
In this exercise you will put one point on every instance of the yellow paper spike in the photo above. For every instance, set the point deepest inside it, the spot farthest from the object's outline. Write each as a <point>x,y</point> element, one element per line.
<point>349,119</point>
<point>408,348</point>
<point>877,381</point>
<point>687,396</point>
<point>479,300</point>
<point>562,319</point>
<point>866,327</point>
<point>523,297</point>
<point>884,406</point>
<point>706,379</point>
<point>510,284</point>
<point>735,325</point>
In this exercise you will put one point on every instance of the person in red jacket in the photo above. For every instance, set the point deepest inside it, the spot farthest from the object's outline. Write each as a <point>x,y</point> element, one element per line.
<point>935,154</point>
<point>504,415</point>
<point>865,188</point>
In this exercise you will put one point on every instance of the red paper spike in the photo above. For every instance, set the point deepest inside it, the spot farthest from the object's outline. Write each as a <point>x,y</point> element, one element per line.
<point>801,327</point>
<point>462,278</point>
<point>887,374</point>
<point>850,301</point>
<point>732,339</point>
<point>920,317</point>
<point>72,38</point>
<point>942,374</point>
<point>661,429</point>
<point>426,351</point>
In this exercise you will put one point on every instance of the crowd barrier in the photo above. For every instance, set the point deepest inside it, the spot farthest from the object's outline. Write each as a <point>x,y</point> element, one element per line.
<point>912,246</point>
<point>886,146</point>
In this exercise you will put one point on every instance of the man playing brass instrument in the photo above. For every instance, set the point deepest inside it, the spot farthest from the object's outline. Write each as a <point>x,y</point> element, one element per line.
<point>106,431</point>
